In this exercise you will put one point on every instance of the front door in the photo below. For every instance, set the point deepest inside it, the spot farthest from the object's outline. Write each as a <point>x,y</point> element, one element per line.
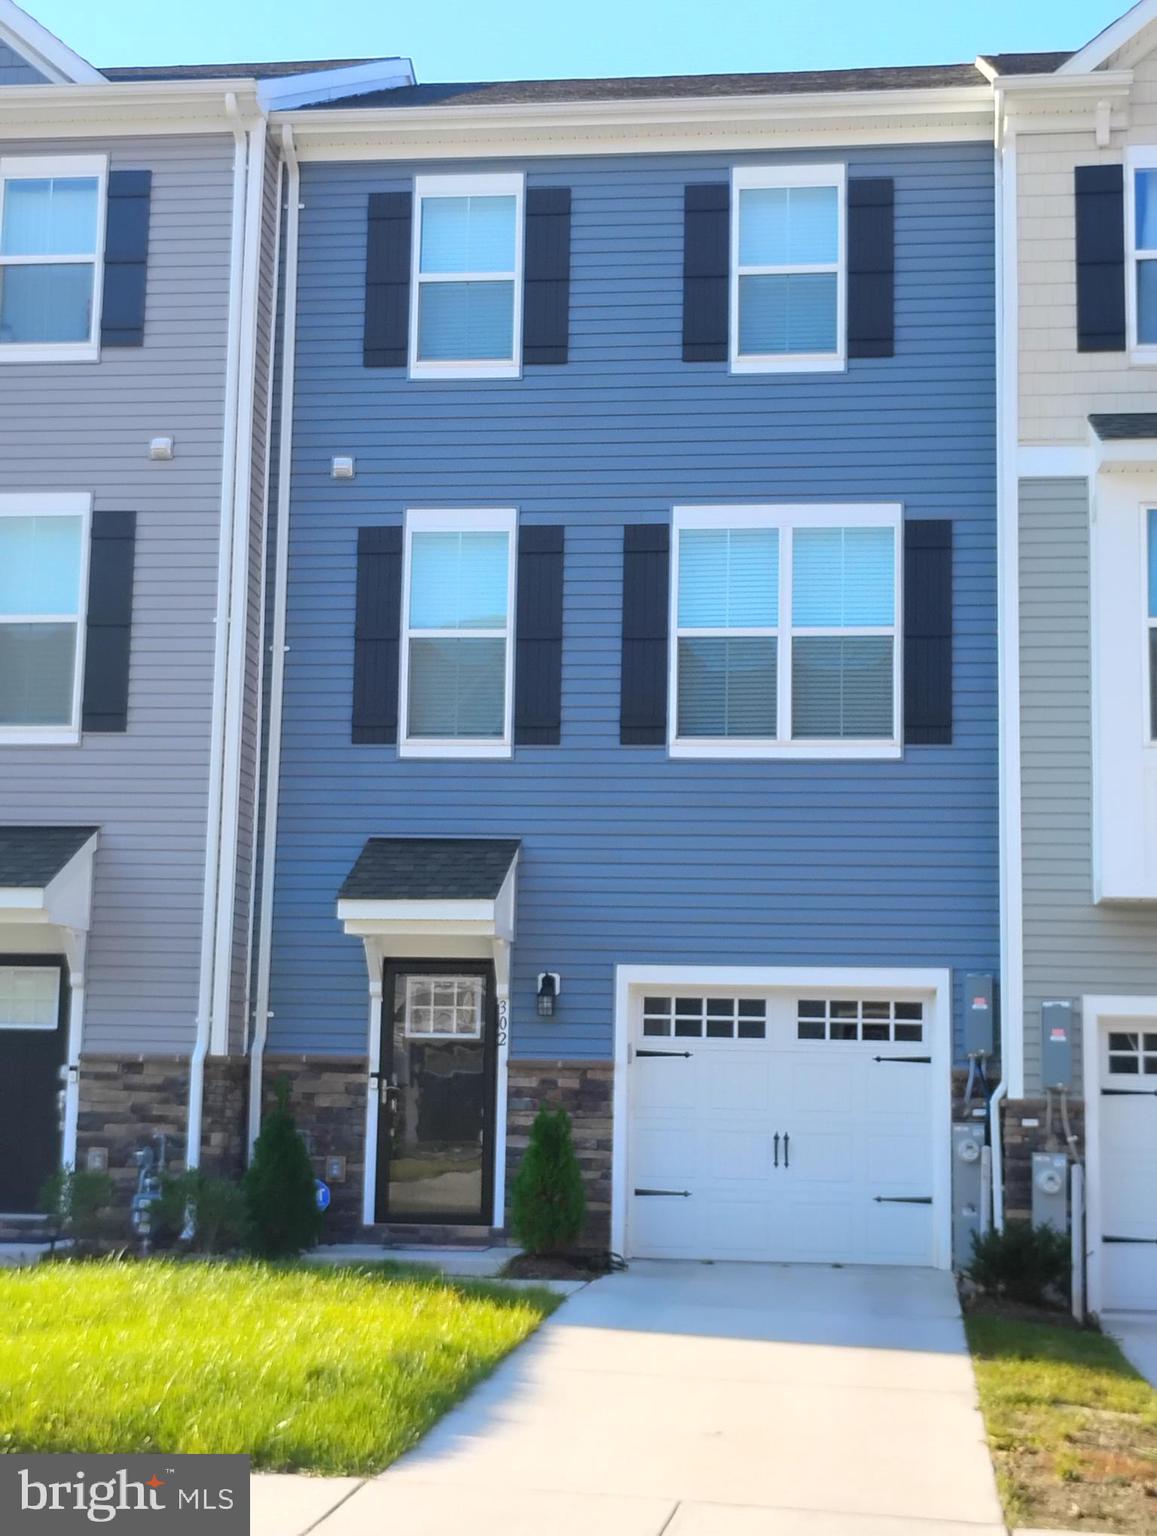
<point>436,1095</point>
<point>33,1037</point>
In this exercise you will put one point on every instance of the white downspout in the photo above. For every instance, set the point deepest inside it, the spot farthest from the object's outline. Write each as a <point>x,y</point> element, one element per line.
<point>239,595</point>
<point>277,644</point>
<point>220,646</point>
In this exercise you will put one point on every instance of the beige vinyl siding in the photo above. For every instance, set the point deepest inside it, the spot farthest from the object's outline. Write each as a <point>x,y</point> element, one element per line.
<point>1059,386</point>
<point>1071,947</point>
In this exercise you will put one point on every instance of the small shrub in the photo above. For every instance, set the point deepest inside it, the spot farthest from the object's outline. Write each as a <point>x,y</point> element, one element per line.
<point>547,1201</point>
<point>1025,1264</point>
<point>213,1208</point>
<point>279,1189</point>
<point>80,1204</point>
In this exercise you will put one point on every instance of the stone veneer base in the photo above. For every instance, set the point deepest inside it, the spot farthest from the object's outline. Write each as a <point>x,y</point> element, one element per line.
<point>1021,1141</point>
<point>327,1097</point>
<point>584,1089</point>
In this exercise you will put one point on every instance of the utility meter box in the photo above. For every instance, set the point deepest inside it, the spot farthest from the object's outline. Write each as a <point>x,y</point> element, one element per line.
<point>979,1029</point>
<point>967,1162</point>
<point>1056,1051</point>
<point>1050,1190</point>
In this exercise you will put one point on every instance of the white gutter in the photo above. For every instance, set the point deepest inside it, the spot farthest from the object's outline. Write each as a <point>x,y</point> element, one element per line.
<point>278,645</point>
<point>220,649</point>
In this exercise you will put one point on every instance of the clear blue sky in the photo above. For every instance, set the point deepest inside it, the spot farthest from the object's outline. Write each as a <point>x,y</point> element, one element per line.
<point>520,39</point>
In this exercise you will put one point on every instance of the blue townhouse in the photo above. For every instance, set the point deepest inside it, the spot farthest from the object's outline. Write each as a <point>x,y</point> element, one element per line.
<point>633,695</point>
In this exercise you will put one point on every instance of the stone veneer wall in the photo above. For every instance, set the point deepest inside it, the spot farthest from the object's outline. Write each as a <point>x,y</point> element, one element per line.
<point>1021,1141</point>
<point>124,1102</point>
<point>327,1096</point>
<point>224,1115</point>
<point>583,1089</point>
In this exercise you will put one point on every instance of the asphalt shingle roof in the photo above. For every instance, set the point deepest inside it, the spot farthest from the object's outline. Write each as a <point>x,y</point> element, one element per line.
<point>1120,426</point>
<point>430,869</point>
<point>271,71</point>
<point>1026,63</point>
<point>32,856</point>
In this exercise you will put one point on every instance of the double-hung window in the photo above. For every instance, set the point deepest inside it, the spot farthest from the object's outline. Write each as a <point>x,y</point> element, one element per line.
<point>1141,247</point>
<point>457,651</point>
<point>43,580</point>
<point>51,237</point>
<point>467,263</point>
<point>788,268</point>
<point>785,632</point>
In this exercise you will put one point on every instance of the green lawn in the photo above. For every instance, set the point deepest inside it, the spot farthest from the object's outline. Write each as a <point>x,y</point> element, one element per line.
<point>1072,1427</point>
<point>330,1370</point>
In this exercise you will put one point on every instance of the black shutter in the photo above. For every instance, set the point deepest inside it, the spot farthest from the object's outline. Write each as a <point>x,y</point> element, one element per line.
<point>1100,205</point>
<point>538,638</point>
<point>377,629</point>
<point>388,235</point>
<point>706,261</point>
<point>109,622</point>
<point>126,259</point>
<point>546,297</point>
<point>871,267</point>
<point>927,633</point>
<point>646,578</point>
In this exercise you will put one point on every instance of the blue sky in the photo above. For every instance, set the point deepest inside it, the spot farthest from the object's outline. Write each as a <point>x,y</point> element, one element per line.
<point>512,39</point>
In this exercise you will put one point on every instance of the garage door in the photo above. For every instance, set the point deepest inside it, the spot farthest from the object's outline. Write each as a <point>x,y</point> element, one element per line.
<point>781,1127</point>
<point>1128,1115</point>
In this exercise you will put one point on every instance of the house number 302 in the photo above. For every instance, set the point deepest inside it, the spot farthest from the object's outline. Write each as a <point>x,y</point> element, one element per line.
<point>503,1019</point>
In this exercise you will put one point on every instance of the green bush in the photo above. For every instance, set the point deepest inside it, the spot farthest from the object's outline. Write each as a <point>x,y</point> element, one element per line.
<point>79,1203</point>
<point>1023,1263</point>
<point>279,1189</point>
<point>214,1209</point>
<point>547,1200</point>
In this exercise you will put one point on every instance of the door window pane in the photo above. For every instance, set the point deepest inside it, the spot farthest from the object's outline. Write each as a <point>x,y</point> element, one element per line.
<point>29,997</point>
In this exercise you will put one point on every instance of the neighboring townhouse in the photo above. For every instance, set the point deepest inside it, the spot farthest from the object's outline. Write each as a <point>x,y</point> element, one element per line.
<point>633,698</point>
<point>138,223</point>
<point>1078,164</point>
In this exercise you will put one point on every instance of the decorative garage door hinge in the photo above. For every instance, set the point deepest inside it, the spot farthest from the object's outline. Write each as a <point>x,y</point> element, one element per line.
<point>903,1199</point>
<point>923,1061</point>
<point>1146,1241</point>
<point>663,1053</point>
<point>1129,1093</point>
<point>683,1194</point>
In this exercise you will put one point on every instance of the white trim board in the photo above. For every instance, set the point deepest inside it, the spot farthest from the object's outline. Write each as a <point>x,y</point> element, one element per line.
<point>935,983</point>
<point>1111,40</point>
<point>42,49</point>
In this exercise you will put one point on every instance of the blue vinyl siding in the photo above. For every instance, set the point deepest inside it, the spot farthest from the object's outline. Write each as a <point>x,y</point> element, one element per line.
<point>629,857</point>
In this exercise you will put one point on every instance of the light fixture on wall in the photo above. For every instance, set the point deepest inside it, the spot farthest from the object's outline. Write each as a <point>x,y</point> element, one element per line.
<point>549,986</point>
<point>342,467</point>
<point>161,448</point>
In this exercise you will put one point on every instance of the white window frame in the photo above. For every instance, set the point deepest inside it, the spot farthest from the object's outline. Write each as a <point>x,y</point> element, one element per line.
<point>40,167</point>
<point>458,520</point>
<point>746,177</point>
<point>1142,157</point>
<point>508,184</point>
<point>66,504</point>
<point>44,970</point>
<point>786,519</point>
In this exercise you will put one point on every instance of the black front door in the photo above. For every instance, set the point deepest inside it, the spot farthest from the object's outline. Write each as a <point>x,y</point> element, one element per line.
<point>33,1038</point>
<point>436,1093</point>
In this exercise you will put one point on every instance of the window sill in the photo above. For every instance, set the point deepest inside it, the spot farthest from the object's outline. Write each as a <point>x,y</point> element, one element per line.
<point>454,750</point>
<point>791,751</point>
<point>1143,357</point>
<point>454,371</point>
<point>63,352</point>
<point>39,736</point>
<point>799,364</point>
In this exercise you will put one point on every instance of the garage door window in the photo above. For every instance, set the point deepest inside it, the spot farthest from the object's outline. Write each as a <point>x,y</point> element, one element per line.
<point>705,1018</point>
<point>858,1019</point>
<point>1133,1055</point>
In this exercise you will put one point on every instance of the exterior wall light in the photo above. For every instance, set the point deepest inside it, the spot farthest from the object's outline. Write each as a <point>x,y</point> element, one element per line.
<point>342,467</point>
<point>161,448</point>
<point>549,986</point>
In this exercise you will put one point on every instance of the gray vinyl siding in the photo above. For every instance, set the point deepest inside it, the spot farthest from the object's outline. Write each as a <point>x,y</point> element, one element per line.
<point>1071,946</point>
<point>629,857</point>
<point>16,70</point>
<point>87,427</point>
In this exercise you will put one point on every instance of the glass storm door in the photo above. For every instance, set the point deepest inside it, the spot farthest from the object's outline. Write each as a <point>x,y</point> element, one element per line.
<point>436,1094</point>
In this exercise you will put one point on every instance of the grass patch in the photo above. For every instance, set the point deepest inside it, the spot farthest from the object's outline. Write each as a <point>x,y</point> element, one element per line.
<point>1071,1425</point>
<point>302,1367</point>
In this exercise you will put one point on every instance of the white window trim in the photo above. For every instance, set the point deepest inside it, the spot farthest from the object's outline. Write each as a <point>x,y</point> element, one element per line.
<point>1149,624</point>
<point>458,520</point>
<point>785,518</point>
<point>744,177</point>
<point>497,185</point>
<point>34,168</point>
<point>43,1029</point>
<point>65,504</point>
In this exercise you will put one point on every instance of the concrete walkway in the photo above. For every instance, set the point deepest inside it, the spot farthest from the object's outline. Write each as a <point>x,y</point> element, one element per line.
<point>1136,1333</point>
<point>698,1400</point>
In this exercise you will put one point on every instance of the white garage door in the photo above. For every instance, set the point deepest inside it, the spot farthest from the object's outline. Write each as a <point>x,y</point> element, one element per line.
<point>1128,1115</point>
<point>781,1127</point>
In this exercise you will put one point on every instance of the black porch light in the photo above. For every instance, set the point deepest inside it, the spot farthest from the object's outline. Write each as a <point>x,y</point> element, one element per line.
<point>548,990</point>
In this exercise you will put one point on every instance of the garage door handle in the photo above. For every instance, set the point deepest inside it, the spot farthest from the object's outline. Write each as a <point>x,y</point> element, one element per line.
<point>1129,1093</point>
<point>683,1194</point>
<point>1144,1240</point>
<point>776,1141</point>
<point>920,1061</point>
<point>663,1053</point>
<point>786,1145</point>
<point>903,1199</point>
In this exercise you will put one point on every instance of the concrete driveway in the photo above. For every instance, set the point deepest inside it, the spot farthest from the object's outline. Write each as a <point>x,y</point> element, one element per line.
<point>704,1400</point>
